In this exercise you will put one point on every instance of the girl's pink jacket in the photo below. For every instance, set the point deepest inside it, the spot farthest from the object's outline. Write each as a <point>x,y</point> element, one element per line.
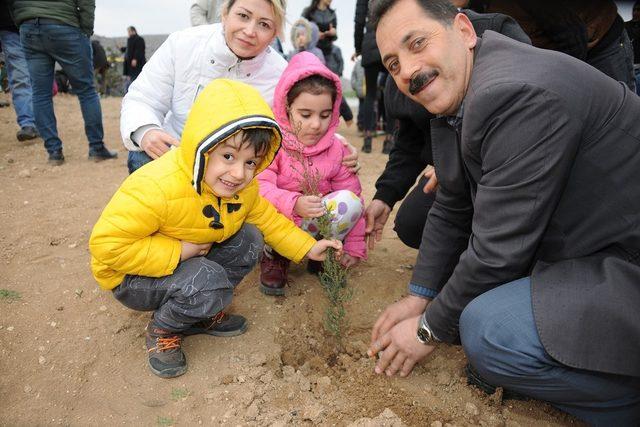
<point>280,182</point>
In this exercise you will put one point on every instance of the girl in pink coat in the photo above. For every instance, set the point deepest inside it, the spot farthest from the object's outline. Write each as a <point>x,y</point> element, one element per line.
<point>306,106</point>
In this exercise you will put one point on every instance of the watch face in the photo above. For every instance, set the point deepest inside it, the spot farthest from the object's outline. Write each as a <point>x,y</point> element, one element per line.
<point>423,335</point>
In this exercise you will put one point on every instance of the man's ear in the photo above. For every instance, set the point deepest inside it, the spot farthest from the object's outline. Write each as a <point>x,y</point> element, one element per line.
<point>464,25</point>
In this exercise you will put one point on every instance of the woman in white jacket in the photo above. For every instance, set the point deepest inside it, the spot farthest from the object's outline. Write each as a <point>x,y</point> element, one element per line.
<point>156,107</point>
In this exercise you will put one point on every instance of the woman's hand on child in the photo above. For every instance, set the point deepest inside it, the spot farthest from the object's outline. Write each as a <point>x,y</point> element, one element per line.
<point>319,251</point>
<point>309,207</point>
<point>156,142</point>
<point>348,261</point>
<point>189,250</point>
<point>350,161</point>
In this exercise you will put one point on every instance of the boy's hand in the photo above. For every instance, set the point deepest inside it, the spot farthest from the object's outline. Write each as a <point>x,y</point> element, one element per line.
<point>309,207</point>
<point>156,142</point>
<point>189,250</point>
<point>348,260</point>
<point>319,251</point>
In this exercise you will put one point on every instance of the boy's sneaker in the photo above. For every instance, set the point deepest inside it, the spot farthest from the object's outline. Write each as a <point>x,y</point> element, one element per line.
<point>166,358</point>
<point>274,269</point>
<point>220,325</point>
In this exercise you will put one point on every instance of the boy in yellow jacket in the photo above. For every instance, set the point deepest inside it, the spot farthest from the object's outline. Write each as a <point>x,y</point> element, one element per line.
<point>182,232</point>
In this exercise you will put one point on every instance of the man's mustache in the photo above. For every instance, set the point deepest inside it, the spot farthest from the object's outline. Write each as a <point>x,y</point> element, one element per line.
<point>419,80</point>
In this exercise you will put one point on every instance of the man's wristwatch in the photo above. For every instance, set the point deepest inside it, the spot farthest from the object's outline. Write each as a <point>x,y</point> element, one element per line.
<point>425,335</point>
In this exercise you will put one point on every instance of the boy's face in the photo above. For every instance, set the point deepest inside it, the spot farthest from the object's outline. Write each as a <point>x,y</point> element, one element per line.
<point>231,166</point>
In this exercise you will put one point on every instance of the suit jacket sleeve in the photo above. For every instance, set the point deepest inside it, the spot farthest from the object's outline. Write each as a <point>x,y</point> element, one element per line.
<point>525,140</point>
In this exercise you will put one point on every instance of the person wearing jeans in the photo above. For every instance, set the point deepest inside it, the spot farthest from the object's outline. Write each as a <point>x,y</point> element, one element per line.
<point>18,75</point>
<point>60,33</point>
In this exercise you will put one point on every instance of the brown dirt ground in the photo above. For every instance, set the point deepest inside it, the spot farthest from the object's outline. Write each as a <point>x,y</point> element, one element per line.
<point>72,355</point>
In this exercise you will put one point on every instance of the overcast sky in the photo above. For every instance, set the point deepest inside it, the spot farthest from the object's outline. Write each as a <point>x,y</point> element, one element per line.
<point>166,16</point>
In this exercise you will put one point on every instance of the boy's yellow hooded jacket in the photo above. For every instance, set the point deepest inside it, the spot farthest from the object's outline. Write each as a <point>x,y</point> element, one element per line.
<point>167,201</point>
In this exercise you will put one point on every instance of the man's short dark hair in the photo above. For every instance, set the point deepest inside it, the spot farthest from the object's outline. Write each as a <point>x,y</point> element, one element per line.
<point>442,11</point>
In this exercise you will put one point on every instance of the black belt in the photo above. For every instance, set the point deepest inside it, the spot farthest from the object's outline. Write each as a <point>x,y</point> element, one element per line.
<point>43,21</point>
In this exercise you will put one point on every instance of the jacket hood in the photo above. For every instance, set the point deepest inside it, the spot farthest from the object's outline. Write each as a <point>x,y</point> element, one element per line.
<point>224,108</point>
<point>303,65</point>
<point>313,33</point>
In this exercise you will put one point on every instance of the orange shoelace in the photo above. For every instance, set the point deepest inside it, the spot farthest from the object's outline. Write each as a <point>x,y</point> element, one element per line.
<point>166,343</point>
<point>218,317</point>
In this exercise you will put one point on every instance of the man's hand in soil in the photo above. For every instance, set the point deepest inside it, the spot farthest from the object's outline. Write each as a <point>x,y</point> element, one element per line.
<point>399,350</point>
<point>409,306</point>
<point>376,216</point>
<point>156,142</point>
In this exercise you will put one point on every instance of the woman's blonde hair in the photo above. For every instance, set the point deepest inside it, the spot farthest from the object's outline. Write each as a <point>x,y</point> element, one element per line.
<point>279,10</point>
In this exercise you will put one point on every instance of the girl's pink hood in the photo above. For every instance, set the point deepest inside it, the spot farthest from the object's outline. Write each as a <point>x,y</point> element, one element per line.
<point>302,65</point>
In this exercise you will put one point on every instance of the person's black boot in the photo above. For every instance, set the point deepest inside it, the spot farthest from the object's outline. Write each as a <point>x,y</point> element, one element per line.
<point>27,133</point>
<point>387,145</point>
<point>56,158</point>
<point>102,153</point>
<point>366,148</point>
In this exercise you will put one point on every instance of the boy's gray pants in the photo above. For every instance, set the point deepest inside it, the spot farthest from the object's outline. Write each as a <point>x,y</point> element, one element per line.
<point>199,287</point>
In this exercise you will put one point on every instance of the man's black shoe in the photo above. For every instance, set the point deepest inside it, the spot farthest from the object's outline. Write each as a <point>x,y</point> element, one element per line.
<point>387,145</point>
<point>101,154</point>
<point>56,158</point>
<point>27,133</point>
<point>473,378</point>
<point>366,148</point>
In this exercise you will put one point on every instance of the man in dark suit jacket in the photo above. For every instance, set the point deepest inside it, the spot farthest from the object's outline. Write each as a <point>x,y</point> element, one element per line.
<point>411,153</point>
<point>531,251</point>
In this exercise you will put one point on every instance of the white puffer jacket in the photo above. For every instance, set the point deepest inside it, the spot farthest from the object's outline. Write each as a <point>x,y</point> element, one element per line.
<point>165,90</point>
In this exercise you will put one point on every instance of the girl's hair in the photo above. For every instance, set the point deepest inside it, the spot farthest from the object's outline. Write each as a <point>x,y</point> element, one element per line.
<point>315,84</point>
<point>279,10</point>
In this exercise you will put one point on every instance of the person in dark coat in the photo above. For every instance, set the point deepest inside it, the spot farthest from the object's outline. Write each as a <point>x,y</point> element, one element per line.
<point>590,30</point>
<point>100,65</point>
<point>531,252</point>
<point>17,75</point>
<point>633,30</point>
<point>134,56</point>
<point>365,46</point>
<point>411,156</point>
